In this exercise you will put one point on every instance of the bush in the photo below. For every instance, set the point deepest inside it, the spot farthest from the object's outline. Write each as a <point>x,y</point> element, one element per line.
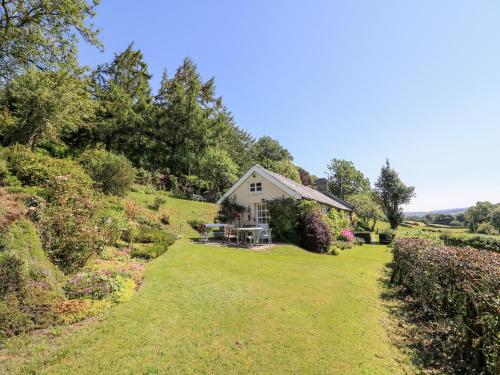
<point>315,233</point>
<point>69,227</point>
<point>158,202</point>
<point>284,219</point>
<point>486,228</point>
<point>150,251</point>
<point>75,310</point>
<point>346,235</point>
<point>13,320</point>
<point>197,225</point>
<point>147,234</point>
<point>387,236</point>
<point>458,289</point>
<point>33,168</point>
<point>336,220</point>
<point>21,240</point>
<point>365,236</point>
<point>113,174</point>
<point>12,280</point>
<point>111,221</point>
<point>334,250</point>
<point>92,285</point>
<point>477,241</point>
<point>343,245</point>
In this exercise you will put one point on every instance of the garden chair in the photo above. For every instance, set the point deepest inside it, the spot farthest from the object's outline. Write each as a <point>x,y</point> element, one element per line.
<point>229,233</point>
<point>265,235</point>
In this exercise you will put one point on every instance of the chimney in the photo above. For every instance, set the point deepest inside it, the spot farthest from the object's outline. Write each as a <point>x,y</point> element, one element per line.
<point>322,185</point>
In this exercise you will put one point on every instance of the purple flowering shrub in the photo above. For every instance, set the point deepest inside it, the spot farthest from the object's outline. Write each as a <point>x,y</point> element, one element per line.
<point>93,285</point>
<point>346,235</point>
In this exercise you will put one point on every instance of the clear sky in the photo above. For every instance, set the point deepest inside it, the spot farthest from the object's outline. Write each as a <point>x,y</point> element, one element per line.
<point>415,81</point>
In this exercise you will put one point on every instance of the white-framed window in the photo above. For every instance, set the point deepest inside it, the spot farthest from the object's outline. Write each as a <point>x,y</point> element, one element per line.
<point>262,212</point>
<point>255,187</point>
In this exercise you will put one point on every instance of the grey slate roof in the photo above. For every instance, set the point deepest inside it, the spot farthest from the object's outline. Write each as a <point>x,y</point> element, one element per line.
<point>310,193</point>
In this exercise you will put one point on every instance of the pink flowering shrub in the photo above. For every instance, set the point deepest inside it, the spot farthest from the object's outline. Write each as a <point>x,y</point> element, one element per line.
<point>346,235</point>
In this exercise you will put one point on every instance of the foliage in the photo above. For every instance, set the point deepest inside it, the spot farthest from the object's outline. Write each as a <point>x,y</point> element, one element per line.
<point>345,180</point>
<point>112,173</point>
<point>21,241</point>
<point>267,150</point>
<point>367,209</point>
<point>93,285</point>
<point>477,241</point>
<point>158,202</point>
<point>306,178</point>
<point>387,236</point>
<point>486,228</point>
<point>365,236</point>
<point>343,245</point>
<point>391,193</point>
<point>314,232</point>
<point>336,220</point>
<point>43,34</point>
<point>188,120</point>
<point>68,225</point>
<point>150,251</point>
<point>147,234</point>
<point>13,320</point>
<point>480,213</point>
<point>346,235</point>
<point>70,311</point>
<point>197,225</point>
<point>458,290</point>
<point>44,106</point>
<point>12,277</point>
<point>217,167</point>
<point>285,168</point>
<point>230,212</point>
<point>33,168</point>
<point>284,219</point>
<point>495,217</point>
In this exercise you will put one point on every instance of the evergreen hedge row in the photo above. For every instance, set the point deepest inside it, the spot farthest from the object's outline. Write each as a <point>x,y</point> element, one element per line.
<point>477,241</point>
<point>459,288</point>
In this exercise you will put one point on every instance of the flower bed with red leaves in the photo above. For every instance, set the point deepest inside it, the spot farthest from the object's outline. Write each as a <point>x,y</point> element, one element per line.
<point>458,288</point>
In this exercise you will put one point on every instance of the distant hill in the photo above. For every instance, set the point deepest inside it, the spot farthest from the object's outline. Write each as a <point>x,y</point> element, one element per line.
<point>452,211</point>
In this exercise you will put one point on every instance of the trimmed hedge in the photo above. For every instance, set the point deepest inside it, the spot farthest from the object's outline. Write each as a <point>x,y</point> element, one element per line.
<point>458,289</point>
<point>147,234</point>
<point>150,252</point>
<point>365,236</point>
<point>477,241</point>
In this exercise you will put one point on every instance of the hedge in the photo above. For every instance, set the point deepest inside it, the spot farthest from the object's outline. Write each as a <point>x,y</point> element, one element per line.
<point>477,241</point>
<point>458,287</point>
<point>365,236</point>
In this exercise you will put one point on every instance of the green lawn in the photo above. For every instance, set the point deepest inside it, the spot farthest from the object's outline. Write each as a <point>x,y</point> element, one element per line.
<point>209,310</point>
<point>180,211</point>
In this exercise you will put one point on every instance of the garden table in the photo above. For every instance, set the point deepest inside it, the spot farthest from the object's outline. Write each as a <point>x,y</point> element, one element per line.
<point>254,230</point>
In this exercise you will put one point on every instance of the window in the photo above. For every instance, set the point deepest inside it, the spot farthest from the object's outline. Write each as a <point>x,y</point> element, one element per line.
<point>255,187</point>
<point>263,216</point>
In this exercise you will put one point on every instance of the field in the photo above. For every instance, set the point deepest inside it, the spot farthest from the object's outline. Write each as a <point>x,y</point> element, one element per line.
<point>207,309</point>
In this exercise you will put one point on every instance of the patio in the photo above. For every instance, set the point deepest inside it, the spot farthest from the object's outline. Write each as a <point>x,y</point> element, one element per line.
<point>250,236</point>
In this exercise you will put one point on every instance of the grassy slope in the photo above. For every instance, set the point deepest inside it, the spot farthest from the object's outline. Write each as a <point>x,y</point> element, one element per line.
<point>180,211</point>
<point>205,309</point>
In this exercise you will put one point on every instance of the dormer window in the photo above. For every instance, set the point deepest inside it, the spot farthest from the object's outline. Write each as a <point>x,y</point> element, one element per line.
<point>255,187</point>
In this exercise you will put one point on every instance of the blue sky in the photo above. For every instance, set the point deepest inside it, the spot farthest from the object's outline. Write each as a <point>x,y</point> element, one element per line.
<point>417,82</point>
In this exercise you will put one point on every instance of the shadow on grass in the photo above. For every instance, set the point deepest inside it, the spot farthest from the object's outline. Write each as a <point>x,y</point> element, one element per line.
<point>414,332</point>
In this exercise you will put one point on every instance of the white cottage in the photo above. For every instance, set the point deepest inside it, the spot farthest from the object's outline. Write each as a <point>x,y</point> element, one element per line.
<point>260,185</point>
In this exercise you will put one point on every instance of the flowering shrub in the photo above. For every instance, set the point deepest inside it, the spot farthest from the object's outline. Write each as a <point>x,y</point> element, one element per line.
<point>346,235</point>
<point>124,289</point>
<point>315,234</point>
<point>127,268</point>
<point>75,310</point>
<point>457,288</point>
<point>93,285</point>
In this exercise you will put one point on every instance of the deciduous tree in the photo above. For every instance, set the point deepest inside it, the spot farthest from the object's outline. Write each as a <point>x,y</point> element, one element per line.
<point>345,179</point>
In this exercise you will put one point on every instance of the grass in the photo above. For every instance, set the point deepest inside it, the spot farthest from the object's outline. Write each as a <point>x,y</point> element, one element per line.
<point>180,211</point>
<point>205,309</point>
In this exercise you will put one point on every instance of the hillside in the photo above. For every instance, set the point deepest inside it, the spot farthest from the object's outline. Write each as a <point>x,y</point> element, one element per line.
<point>451,211</point>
